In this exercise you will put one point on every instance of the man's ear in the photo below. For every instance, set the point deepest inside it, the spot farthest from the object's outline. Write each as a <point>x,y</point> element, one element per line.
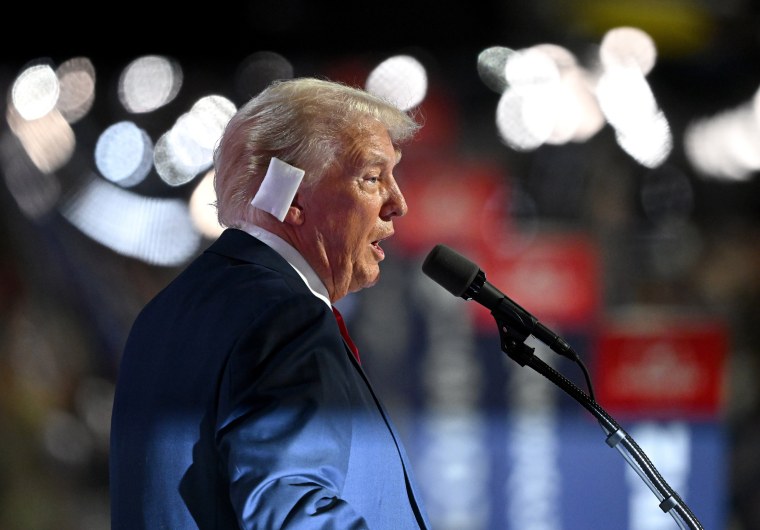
<point>295,215</point>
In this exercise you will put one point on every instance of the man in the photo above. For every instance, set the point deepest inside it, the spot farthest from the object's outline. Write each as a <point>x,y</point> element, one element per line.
<point>238,403</point>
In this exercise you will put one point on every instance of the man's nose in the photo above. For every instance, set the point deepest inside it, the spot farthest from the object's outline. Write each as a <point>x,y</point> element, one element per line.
<point>395,205</point>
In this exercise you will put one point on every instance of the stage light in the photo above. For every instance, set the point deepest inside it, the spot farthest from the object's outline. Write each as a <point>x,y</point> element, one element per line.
<point>628,47</point>
<point>725,146</point>
<point>648,142</point>
<point>48,141</point>
<point>77,88</point>
<point>155,230</point>
<point>401,79</point>
<point>124,154</point>
<point>518,130</point>
<point>526,113</point>
<point>491,67</point>
<point>547,96</point>
<point>148,83</point>
<point>186,149</point>
<point>35,91</point>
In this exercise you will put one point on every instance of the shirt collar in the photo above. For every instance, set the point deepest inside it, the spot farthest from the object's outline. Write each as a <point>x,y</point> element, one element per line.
<point>293,257</point>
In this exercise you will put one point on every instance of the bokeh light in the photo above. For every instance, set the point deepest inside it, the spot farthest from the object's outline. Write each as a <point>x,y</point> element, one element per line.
<point>149,82</point>
<point>155,230</point>
<point>77,82</point>
<point>35,91</point>
<point>259,69</point>
<point>401,79</point>
<point>48,141</point>
<point>124,154</point>
<point>491,67</point>
<point>726,146</point>
<point>187,148</point>
<point>628,47</point>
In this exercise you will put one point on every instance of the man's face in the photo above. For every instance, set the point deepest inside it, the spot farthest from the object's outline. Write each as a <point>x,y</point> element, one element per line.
<point>350,212</point>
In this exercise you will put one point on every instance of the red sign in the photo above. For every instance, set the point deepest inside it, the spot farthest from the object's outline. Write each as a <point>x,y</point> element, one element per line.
<point>662,367</point>
<point>554,276</point>
<point>450,201</point>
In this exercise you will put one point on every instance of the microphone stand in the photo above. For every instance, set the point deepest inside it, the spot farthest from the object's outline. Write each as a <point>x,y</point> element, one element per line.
<point>513,344</point>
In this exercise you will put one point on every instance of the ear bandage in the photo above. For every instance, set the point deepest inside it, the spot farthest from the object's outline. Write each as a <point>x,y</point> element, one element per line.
<point>278,188</point>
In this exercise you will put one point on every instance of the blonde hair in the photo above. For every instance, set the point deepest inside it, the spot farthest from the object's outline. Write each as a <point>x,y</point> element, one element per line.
<point>310,123</point>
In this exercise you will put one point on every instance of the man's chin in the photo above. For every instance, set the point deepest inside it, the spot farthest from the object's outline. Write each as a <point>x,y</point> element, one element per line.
<point>367,280</point>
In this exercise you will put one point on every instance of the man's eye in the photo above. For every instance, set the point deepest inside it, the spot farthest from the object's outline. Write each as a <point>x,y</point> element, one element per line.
<point>373,180</point>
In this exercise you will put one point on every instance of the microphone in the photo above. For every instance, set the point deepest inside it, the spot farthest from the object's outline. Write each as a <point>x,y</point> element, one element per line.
<point>462,277</point>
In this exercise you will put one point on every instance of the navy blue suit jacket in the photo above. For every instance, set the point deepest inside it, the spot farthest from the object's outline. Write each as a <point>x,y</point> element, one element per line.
<point>239,405</point>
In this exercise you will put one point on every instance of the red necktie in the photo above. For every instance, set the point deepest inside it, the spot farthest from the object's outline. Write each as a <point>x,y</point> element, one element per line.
<point>344,332</point>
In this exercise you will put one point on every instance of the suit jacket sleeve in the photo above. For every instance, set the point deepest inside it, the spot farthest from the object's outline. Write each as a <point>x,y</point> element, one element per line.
<point>284,420</point>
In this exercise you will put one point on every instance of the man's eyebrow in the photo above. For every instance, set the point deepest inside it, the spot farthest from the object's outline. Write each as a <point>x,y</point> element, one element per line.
<point>378,158</point>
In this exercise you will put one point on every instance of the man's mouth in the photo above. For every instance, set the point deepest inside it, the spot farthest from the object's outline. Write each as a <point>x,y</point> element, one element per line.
<point>377,248</point>
<point>376,243</point>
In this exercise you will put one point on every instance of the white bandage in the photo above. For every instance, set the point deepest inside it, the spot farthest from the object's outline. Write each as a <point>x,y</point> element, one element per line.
<point>278,188</point>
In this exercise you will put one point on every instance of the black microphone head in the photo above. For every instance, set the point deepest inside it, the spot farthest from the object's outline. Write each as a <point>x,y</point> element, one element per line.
<point>451,270</point>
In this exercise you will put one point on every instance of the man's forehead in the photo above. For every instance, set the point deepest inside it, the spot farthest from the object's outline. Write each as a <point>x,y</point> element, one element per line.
<point>376,148</point>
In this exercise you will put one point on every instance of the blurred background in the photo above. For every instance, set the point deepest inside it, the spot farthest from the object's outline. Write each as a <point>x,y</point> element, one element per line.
<point>598,159</point>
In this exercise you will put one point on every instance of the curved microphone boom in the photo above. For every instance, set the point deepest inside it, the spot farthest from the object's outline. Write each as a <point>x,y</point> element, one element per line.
<point>461,277</point>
